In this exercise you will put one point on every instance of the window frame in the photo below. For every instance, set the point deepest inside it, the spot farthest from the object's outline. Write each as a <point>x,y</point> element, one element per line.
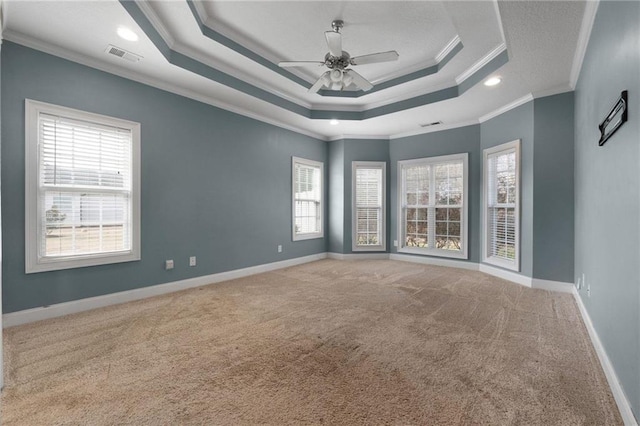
<point>309,235</point>
<point>382,165</point>
<point>33,225</point>
<point>492,260</point>
<point>464,223</point>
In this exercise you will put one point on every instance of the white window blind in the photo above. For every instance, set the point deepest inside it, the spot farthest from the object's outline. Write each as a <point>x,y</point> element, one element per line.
<point>433,218</point>
<point>368,208</point>
<point>501,205</point>
<point>307,199</point>
<point>84,181</point>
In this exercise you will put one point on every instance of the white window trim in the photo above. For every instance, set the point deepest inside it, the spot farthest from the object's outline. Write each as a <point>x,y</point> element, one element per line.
<point>309,235</point>
<point>32,261</point>
<point>354,222</point>
<point>463,253</point>
<point>503,263</point>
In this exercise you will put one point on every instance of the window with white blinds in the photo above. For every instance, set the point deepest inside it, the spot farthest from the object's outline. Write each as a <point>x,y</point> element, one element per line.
<point>307,199</point>
<point>82,189</point>
<point>501,205</point>
<point>433,206</point>
<point>368,213</point>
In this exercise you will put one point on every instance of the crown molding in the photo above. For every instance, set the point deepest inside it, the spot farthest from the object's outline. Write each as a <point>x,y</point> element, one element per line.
<point>481,63</point>
<point>433,129</point>
<point>447,49</point>
<point>508,107</point>
<point>157,23</point>
<point>556,90</point>
<point>149,81</point>
<point>589,17</point>
<point>198,56</point>
<point>347,136</point>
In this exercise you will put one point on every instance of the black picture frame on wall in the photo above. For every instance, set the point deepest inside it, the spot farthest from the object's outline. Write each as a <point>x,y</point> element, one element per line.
<point>616,118</point>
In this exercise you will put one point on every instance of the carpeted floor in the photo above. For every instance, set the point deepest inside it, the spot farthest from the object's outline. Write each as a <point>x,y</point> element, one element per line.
<point>334,342</point>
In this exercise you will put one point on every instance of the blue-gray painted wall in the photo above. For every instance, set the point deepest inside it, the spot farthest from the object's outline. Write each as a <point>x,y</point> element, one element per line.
<point>512,125</point>
<point>336,196</point>
<point>553,188</point>
<point>215,184</point>
<point>607,190</point>
<point>454,141</point>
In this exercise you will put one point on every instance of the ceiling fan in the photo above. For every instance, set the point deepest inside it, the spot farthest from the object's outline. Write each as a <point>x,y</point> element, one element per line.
<point>339,76</point>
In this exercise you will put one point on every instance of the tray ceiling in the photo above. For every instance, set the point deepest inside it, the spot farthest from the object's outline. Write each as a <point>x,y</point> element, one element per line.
<point>224,53</point>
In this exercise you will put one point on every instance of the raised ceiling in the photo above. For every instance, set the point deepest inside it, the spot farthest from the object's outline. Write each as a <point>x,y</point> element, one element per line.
<point>225,53</point>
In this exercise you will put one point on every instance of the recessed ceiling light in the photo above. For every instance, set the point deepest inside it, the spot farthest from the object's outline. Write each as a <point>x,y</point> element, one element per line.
<point>492,81</point>
<point>127,34</point>
<point>334,122</point>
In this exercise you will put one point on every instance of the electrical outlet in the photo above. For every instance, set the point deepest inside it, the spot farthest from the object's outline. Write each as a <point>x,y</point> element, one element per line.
<point>192,261</point>
<point>579,283</point>
<point>395,243</point>
<point>279,248</point>
<point>168,264</point>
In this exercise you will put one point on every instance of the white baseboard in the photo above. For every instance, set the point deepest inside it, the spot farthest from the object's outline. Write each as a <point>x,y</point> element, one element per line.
<point>435,261</point>
<point>358,256</point>
<point>506,275</point>
<point>558,286</point>
<point>616,389</point>
<point>75,306</point>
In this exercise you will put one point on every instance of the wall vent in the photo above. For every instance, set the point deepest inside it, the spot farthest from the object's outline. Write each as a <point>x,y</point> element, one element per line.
<point>435,123</point>
<point>121,53</point>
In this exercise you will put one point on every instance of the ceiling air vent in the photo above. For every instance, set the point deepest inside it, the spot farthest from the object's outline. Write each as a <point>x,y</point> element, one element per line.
<point>121,53</point>
<point>435,123</point>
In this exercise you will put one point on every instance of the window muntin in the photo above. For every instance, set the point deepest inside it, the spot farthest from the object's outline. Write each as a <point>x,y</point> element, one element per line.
<point>368,209</point>
<point>433,217</point>
<point>307,199</point>
<point>82,192</point>
<point>501,205</point>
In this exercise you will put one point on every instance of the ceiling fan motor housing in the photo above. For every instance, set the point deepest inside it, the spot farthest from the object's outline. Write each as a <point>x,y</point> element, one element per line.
<point>340,63</point>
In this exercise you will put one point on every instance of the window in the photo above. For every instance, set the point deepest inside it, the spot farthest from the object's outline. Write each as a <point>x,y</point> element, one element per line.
<point>82,189</point>
<point>307,199</point>
<point>433,206</point>
<point>502,205</point>
<point>368,194</point>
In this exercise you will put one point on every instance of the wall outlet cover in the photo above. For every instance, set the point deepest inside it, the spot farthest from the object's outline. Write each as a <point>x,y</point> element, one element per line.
<point>168,264</point>
<point>192,261</point>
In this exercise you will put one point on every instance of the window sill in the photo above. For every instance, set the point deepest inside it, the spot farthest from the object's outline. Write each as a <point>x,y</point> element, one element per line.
<point>433,252</point>
<point>79,262</point>
<point>505,264</point>
<point>302,237</point>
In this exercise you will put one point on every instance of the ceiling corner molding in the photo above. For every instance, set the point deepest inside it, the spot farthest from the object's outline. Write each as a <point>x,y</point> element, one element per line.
<point>433,129</point>
<point>447,49</point>
<point>348,136</point>
<point>508,107</point>
<point>157,24</point>
<point>202,13</point>
<point>481,63</point>
<point>591,8</point>
<point>149,81</point>
<point>496,8</point>
<point>556,90</point>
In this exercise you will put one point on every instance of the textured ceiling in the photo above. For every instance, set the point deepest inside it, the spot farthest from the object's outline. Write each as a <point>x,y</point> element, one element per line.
<point>208,51</point>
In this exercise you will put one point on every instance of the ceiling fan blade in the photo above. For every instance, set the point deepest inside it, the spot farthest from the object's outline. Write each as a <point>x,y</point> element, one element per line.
<point>359,80</point>
<point>334,41</point>
<point>318,84</point>
<point>373,58</point>
<point>286,64</point>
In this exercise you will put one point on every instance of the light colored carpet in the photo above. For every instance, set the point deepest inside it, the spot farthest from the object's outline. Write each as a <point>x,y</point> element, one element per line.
<point>334,342</point>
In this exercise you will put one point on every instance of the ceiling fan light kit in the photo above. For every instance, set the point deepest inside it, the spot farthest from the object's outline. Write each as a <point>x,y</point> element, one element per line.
<point>339,76</point>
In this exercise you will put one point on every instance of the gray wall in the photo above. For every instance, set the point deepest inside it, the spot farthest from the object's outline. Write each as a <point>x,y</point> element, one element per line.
<point>454,141</point>
<point>512,125</point>
<point>336,196</point>
<point>214,184</point>
<point>607,194</point>
<point>553,188</point>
